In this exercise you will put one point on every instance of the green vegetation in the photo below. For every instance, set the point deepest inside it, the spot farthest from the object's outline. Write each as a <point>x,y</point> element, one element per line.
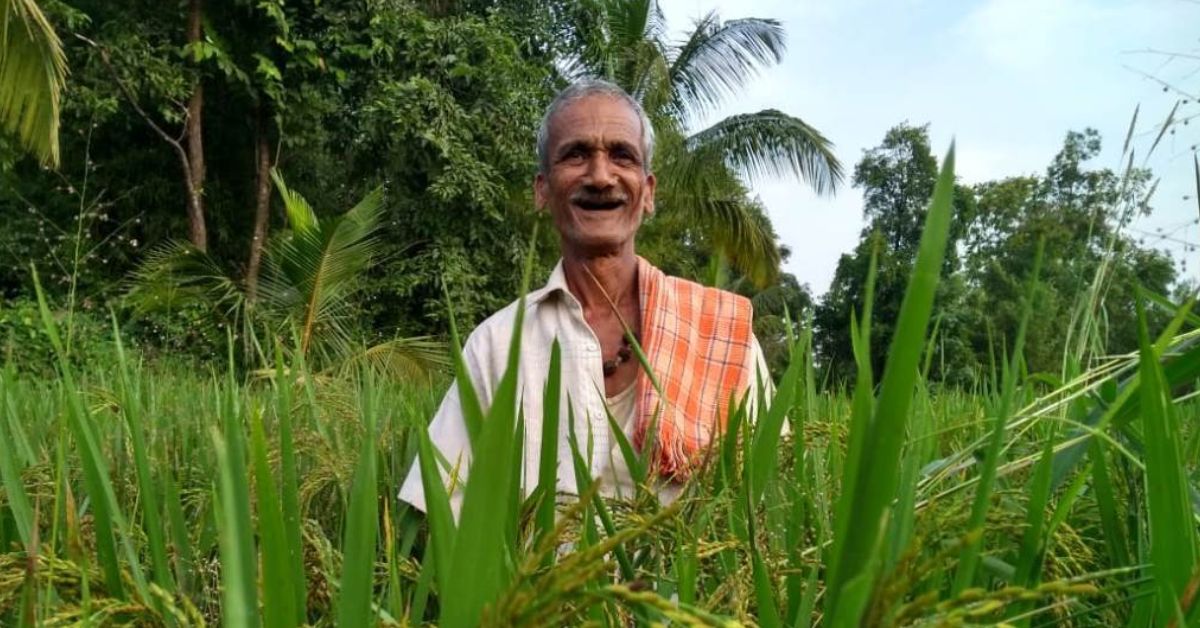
<point>160,497</point>
<point>212,387</point>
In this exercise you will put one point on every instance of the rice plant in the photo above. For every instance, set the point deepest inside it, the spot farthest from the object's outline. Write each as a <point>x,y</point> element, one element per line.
<point>143,494</point>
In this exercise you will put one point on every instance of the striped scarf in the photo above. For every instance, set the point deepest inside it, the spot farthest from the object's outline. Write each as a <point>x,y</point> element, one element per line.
<point>696,340</point>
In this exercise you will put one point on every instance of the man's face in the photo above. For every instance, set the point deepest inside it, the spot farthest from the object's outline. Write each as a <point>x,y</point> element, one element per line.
<point>596,187</point>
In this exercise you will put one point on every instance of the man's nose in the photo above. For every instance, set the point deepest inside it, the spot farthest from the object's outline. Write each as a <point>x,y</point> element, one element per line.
<point>600,172</point>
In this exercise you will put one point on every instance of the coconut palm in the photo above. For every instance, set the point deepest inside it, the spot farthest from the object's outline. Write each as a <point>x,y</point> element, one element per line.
<point>308,288</point>
<point>704,174</point>
<point>33,70</point>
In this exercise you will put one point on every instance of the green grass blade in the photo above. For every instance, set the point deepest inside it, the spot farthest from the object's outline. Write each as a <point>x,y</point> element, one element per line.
<point>875,485</point>
<point>968,563</point>
<point>279,601</point>
<point>1172,528</point>
<point>862,406</point>
<point>239,606</point>
<point>14,488</point>
<point>131,406</point>
<point>469,400</point>
<point>184,554</point>
<point>1106,503</point>
<point>548,460</point>
<point>362,520</point>
<point>290,484</point>
<point>479,569</point>
<point>440,518</point>
<point>584,485</point>
<point>764,589</point>
<point>107,515</point>
<point>1027,568</point>
<point>516,471</point>
<point>632,462</point>
<point>767,431</point>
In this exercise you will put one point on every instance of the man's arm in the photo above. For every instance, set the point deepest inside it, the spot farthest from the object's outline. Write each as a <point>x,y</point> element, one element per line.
<point>448,431</point>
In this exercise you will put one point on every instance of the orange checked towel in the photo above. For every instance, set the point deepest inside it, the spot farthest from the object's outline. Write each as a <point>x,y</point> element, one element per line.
<point>696,340</point>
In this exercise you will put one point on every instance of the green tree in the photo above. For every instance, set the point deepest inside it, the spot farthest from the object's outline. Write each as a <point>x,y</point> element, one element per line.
<point>441,107</point>
<point>897,179</point>
<point>1078,212</point>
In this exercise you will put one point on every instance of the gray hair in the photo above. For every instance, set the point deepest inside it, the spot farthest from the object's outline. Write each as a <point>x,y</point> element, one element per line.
<point>578,91</point>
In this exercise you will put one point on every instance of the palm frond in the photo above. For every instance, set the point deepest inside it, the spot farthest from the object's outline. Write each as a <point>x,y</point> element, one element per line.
<point>772,143</point>
<point>412,359</point>
<point>313,269</point>
<point>622,43</point>
<point>33,71</point>
<point>718,58</point>
<point>300,214</point>
<point>741,232</point>
<point>177,274</point>
<point>633,21</point>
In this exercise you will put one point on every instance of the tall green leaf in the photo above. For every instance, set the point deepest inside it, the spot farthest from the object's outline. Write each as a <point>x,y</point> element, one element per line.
<point>360,540</point>
<point>1172,527</point>
<point>279,601</point>
<point>131,406</point>
<point>875,484</point>
<point>548,461</point>
<point>107,518</point>
<point>479,568</point>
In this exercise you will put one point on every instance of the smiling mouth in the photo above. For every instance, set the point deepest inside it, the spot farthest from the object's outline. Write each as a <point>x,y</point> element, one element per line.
<point>598,204</point>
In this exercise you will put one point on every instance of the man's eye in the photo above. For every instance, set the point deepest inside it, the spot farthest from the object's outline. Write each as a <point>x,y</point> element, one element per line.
<point>574,154</point>
<point>623,156</point>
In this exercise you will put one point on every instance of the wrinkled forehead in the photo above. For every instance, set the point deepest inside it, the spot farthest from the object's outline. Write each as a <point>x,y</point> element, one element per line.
<point>596,118</point>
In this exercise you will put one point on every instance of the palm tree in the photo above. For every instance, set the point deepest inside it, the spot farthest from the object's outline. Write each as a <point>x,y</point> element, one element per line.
<point>308,289</point>
<point>704,174</point>
<point>33,70</point>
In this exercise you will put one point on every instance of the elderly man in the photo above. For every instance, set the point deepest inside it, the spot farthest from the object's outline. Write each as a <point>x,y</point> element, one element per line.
<point>594,150</point>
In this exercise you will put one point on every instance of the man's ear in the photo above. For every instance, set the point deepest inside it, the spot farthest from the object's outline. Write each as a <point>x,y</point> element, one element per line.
<point>651,185</point>
<point>539,191</point>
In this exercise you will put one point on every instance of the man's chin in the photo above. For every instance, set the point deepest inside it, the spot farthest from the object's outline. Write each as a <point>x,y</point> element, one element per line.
<point>597,244</point>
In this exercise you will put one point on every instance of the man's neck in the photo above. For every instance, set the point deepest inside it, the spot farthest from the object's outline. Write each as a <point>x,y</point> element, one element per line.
<point>592,278</point>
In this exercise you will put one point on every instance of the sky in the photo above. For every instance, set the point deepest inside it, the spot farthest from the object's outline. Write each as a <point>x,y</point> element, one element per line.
<point>1005,79</point>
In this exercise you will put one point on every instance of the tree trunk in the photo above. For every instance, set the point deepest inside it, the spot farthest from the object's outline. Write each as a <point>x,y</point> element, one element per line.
<point>262,206</point>
<point>195,174</point>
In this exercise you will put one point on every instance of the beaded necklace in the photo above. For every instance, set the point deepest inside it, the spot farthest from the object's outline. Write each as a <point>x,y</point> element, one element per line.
<point>625,351</point>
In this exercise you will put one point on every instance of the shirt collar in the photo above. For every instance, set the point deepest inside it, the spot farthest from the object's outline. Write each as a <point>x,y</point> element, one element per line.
<point>556,283</point>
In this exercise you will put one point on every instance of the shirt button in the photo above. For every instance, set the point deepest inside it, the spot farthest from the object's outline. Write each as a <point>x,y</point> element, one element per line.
<point>591,347</point>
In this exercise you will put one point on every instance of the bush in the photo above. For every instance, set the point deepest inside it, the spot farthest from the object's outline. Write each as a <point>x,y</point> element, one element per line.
<point>27,347</point>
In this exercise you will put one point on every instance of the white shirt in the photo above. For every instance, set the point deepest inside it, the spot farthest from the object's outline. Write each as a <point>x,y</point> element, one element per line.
<point>551,312</point>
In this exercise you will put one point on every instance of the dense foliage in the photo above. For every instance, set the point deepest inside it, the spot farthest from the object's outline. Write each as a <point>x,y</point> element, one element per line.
<point>1076,212</point>
<point>177,114</point>
<point>214,381</point>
